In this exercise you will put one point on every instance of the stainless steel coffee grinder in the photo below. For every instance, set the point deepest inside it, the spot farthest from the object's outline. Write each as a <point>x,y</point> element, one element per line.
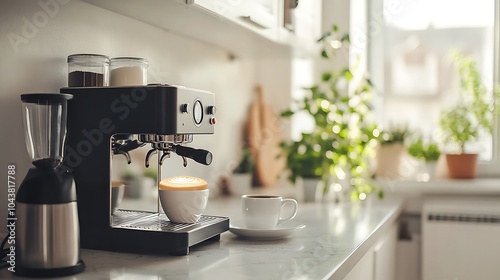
<point>48,234</point>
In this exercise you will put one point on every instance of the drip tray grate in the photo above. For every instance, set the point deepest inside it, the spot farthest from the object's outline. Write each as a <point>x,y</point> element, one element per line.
<point>155,221</point>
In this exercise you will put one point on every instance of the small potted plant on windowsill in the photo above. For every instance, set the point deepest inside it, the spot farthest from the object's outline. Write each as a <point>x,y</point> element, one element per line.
<point>467,120</point>
<point>428,153</point>
<point>241,177</point>
<point>391,151</point>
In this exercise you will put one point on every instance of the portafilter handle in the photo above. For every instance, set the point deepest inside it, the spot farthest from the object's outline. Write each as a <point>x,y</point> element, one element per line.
<point>199,155</point>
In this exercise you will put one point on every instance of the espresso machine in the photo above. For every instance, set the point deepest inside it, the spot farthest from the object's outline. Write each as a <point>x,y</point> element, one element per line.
<point>47,216</point>
<point>108,121</point>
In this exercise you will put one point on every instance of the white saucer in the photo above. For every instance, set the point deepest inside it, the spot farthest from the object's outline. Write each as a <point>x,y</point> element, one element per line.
<point>279,232</point>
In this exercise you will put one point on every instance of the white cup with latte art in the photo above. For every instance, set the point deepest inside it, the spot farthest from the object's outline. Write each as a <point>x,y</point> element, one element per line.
<point>183,198</point>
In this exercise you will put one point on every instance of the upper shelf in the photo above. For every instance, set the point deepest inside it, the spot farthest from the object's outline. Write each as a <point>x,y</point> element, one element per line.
<point>195,22</point>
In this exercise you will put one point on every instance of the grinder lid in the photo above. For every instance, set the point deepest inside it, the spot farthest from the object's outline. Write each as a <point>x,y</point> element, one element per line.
<point>183,183</point>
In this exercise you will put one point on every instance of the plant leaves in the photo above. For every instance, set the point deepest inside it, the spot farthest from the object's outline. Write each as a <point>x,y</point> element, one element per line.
<point>324,54</point>
<point>287,113</point>
<point>347,74</point>
<point>325,77</point>
<point>345,38</point>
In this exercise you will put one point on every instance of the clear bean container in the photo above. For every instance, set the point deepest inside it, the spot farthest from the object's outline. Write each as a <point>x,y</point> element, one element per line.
<point>128,71</point>
<point>88,70</point>
<point>44,119</point>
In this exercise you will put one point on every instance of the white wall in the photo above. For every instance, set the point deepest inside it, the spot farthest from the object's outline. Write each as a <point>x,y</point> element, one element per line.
<point>39,65</point>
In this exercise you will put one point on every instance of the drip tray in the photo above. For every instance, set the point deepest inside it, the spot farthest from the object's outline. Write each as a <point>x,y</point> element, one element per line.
<point>158,234</point>
<point>153,221</point>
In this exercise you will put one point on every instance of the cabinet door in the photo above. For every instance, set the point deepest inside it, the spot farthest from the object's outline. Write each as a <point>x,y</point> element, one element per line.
<point>363,270</point>
<point>385,256</point>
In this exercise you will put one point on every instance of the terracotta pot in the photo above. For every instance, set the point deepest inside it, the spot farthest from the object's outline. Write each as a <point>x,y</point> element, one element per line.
<point>462,166</point>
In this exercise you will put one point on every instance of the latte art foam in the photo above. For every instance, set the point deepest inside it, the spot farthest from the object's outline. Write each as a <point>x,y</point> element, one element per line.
<point>183,180</point>
<point>183,183</point>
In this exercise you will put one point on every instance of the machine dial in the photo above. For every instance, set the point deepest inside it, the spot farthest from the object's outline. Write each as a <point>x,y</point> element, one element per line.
<point>198,112</point>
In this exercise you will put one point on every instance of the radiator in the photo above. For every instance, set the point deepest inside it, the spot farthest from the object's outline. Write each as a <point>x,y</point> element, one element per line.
<point>461,238</point>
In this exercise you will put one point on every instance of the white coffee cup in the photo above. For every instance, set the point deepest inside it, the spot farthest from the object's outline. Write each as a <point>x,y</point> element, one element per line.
<point>183,198</point>
<point>264,211</point>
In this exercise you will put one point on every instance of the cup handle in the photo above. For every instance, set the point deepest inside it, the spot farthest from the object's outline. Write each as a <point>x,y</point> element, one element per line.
<point>295,209</point>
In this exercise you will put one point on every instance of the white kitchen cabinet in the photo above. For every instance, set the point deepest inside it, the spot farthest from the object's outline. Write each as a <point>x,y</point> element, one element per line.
<point>288,22</point>
<point>379,263</point>
<point>250,28</point>
<point>305,29</point>
<point>364,268</point>
<point>259,16</point>
<point>385,256</point>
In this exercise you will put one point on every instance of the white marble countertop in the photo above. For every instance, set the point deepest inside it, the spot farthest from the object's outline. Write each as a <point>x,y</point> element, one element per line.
<point>334,240</point>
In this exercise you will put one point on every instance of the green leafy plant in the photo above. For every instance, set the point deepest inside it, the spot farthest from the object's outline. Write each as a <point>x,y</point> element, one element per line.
<point>474,112</point>
<point>429,152</point>
<point>246,164</point>
<point>304,158</point>
<point>395,134</point>
<point>343,139</point>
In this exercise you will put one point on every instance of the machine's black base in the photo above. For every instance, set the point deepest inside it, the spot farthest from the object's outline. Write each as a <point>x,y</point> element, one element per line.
<point>50,272</point>
<point>185,251</point>
<point>152,233</point>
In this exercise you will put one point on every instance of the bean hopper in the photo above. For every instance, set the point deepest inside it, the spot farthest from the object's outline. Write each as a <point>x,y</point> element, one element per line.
<point>107,122</point>
<point>47,242</point>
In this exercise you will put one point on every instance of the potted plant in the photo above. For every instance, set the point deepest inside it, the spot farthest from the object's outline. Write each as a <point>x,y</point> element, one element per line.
<point>343,139</point>
<point>471,117</point>
<point>391,151</point>
<point>241,177</point>
<point>428,153</point>
<point>307,166</point>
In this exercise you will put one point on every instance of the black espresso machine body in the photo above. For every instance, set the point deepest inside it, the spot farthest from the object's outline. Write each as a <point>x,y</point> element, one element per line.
<point>105,121</point>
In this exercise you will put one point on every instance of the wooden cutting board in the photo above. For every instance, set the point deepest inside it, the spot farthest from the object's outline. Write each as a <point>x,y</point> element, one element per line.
<point>263,133</point>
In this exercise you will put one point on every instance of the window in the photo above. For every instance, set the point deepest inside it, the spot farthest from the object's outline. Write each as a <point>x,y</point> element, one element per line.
<point>414,77</point>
